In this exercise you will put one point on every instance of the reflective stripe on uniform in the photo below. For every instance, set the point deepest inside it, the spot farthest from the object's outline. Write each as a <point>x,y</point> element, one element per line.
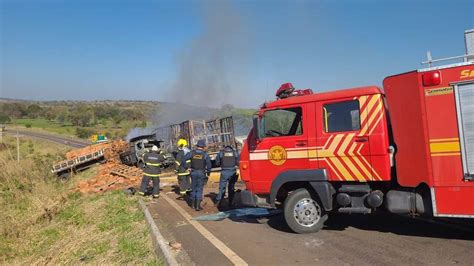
<point>188,161</point>
<point>185,173</point>
<point>154,164</point>
<point>178,163</point>
<point>152,175</point>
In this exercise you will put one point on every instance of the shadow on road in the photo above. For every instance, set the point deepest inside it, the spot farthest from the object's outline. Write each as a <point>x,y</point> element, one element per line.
<point>378,222</point>
<point>395,224</point>
<point>385,223</point>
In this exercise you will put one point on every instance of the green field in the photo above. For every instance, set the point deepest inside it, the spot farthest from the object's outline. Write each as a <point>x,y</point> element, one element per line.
<point>107,128</point>
<point>48,125</point>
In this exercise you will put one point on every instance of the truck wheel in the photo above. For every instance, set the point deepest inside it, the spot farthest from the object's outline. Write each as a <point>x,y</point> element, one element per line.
<point>304,214</point>
<point>64,177</point>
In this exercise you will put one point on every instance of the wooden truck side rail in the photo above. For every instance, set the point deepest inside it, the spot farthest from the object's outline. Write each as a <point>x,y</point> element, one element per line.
<point>77,162</point>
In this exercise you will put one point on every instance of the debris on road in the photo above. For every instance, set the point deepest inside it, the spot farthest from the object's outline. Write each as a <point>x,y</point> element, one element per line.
<point>175,245</point>
<point>244,212</point>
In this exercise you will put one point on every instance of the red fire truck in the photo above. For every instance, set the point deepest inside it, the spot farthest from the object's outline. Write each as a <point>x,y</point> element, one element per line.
<point>407,148</point>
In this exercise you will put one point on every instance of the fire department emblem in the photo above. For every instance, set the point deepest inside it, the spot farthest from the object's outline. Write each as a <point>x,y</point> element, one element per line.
<point>277,155</point>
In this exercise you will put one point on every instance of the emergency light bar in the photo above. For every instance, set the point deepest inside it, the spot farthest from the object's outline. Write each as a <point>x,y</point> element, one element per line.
<point>431,78</point>
<point>288,90</point>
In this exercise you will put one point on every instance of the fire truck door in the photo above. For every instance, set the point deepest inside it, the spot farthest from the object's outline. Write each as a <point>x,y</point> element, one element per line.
<point>283,145</point>
<point>465,110</point>
<point>342,139</point>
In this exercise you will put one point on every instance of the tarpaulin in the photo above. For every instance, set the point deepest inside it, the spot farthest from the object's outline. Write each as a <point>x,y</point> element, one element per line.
<point>243,212</point>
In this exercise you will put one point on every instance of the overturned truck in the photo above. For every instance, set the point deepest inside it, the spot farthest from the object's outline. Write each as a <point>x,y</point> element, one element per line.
<point>216,132</point>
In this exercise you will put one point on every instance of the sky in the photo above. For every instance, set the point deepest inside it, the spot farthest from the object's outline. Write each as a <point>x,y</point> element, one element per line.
<point>211,53</point>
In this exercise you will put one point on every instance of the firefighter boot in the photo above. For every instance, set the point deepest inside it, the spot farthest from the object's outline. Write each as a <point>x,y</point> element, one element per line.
<point>189,201</point>
<point>231,202</point>
<point>198,205</point>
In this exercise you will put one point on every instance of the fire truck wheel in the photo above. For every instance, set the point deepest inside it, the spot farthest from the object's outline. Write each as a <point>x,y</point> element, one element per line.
<point>303,213</point>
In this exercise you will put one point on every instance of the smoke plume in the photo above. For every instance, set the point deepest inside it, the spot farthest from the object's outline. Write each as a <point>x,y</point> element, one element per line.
<point>211,66</point>
<point>210,69</point>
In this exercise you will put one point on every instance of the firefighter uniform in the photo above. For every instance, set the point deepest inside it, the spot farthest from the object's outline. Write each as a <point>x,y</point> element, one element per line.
<point>152,170</point>
<point>182,170</point>
<point>228,160</point>
<point>200,171</point>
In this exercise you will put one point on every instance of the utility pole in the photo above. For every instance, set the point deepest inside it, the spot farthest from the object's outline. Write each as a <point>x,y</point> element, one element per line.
<point>17,147</point>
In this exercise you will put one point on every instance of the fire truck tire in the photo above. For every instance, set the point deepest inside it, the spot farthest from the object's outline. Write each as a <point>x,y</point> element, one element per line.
<point>303,212</point>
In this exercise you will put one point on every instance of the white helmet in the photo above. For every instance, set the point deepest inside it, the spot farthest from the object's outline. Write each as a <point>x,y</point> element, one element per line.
<point>154,148</point>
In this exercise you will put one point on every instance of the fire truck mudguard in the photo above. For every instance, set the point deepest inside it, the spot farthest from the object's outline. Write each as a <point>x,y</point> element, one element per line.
<point>317,178</point>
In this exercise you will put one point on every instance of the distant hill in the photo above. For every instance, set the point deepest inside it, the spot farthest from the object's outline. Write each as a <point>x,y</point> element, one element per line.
<point>156,113</point>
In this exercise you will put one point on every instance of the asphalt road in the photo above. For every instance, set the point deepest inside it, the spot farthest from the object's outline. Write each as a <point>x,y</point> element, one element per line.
<point>345,240</point>
<point>49,137</point>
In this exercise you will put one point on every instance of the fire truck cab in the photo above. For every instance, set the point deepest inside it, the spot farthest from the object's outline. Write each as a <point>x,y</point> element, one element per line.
<point>407,148</point>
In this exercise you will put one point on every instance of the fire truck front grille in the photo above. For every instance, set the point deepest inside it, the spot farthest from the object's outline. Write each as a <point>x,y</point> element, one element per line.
<point>465,106</point>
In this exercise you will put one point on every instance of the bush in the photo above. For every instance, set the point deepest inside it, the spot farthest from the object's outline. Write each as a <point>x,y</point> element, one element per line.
<point>28,125</point>
<point>4,119</point>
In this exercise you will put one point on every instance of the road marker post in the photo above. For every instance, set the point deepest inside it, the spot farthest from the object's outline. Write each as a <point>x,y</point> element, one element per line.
<point>17,147</point>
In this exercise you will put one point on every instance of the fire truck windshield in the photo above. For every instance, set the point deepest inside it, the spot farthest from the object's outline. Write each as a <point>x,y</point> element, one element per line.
<point>281,122</point>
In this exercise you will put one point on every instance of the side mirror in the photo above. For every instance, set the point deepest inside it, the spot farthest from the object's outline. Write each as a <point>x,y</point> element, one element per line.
<point>256,132</point>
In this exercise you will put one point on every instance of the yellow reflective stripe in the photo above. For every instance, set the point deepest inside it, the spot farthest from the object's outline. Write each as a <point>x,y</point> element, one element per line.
<point>187,173</point>
<point>178,163</point>
<point>188,161</point>
<point>153,175</point>
<point>154,164</point>
<point>439,147</point>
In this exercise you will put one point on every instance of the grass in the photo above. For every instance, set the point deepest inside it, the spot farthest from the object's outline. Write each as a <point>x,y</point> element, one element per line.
<point>47,125</point>
<point>45,221</point>
<point>52,126</point>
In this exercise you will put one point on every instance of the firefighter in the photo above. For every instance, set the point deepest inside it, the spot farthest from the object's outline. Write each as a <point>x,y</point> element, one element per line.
<point>228,160</point>
<point>183,169</point>
<point>200,171</point>
<point>153,161</point>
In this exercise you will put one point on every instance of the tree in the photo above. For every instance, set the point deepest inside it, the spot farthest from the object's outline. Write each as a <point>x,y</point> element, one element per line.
<point>62,117</point>
<point>50,114</point>
<point>13,110</point>
<point>81,119</point>
<point>4,119</point>
<point>117,119</point>
<point>83,133</point>
<point>33,111</point>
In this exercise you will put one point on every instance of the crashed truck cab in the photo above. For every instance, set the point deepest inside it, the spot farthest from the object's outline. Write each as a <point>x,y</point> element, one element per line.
<point>406,149</point>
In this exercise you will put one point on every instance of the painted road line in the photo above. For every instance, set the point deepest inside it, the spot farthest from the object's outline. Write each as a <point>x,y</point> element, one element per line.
<point>174,178</point>
<point>231,255</point>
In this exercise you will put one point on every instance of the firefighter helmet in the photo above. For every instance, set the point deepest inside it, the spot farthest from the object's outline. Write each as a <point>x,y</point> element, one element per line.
<point>182,143</point>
